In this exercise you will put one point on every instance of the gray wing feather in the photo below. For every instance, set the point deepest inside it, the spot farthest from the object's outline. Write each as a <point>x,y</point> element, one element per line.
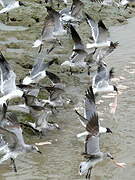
<point>76,7</point>
<point>76,38</point>
<point>102,75</point>
<point>9,138</point>
<point>102,53</point>
<point>8,77</point>
<point>47,32</point>
<point>90,107</point>
<point>103,32</point>
<point>92,145</point>
<point>94,27</point>
<point>40,66</point>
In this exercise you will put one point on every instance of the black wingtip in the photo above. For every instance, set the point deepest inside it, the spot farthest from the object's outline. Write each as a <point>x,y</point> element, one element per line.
<point>102,25</point>
<point>90,94</point>
<point>111,73</point>
<point>2,58</point>
<point>114,45</point>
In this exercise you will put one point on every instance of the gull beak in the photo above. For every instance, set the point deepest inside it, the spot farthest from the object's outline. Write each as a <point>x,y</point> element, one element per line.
<point>108,130</point>
<point>39,152</point>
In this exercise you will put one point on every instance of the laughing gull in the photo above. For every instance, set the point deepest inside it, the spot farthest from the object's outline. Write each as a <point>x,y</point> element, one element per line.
<point>100,33</point>
<point>101,80</point>
<point>13,142</point>
<point>77,61</point>
<point>102,53</point>
<point>92,150</point>
<point>8,86</point>
<point>89,111</point>
<point>52,28</point>
<point>38,72</point>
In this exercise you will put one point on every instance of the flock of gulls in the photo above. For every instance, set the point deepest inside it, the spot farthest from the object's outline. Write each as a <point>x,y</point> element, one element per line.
<point>88,57</point>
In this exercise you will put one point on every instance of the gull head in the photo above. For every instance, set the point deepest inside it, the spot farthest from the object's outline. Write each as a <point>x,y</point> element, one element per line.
<point>21,3</point>
<point>35,149</point>
<point>115,89</point>
<point>108,130</point>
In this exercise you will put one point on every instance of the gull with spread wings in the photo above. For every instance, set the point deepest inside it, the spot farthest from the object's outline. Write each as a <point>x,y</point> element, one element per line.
<point>89,111</point>
<point>38,71</point>
<point>53,27</point>
<point>101,81</point>
<point>92,150</point>
<point>100,33</point>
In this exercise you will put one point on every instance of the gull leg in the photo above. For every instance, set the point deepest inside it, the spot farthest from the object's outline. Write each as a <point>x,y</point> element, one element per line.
<point>14,166</point>
<point>7,20</point>
<point>71,70</point>
<point>88,175</point>
<point>49,50</point>
<point>40,48</point>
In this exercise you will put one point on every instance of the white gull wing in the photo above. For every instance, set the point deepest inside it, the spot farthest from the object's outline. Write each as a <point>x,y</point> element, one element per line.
<point>8,77</point>
<point>94,27</point>
<point>5,3</point>
<point>9,7</point>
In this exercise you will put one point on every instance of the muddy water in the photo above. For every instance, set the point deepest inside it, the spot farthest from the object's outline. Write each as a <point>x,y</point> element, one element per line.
<point>60,160</point>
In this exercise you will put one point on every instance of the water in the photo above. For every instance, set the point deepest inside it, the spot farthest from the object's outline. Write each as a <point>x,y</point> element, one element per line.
<point>61,159</point>
<point>4,27</point>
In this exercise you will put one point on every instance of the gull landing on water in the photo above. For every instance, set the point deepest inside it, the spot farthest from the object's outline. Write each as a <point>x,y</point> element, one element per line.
<point>9,5</point>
